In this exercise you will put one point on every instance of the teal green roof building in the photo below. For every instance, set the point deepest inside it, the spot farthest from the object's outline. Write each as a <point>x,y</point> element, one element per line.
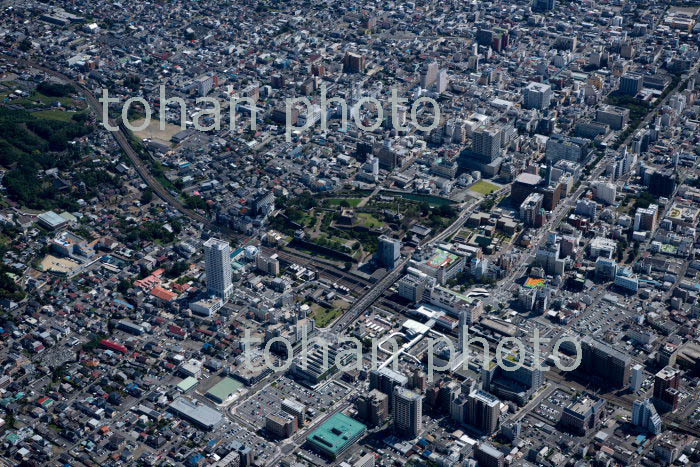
<point>336,435</point>
<point>187,383</point>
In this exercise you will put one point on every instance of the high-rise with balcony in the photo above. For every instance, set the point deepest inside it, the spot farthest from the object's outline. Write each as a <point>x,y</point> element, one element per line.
<point>486,143</point>
<point>217,259</point>
<point>354,63</point>
<point>666,393</point>
<point>604,364</point>
<point>430,74</point>
<point>408,412</point>
<point>483,411</point>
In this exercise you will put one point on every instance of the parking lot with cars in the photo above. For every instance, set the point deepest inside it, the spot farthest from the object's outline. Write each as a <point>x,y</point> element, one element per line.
<point>255,409</point>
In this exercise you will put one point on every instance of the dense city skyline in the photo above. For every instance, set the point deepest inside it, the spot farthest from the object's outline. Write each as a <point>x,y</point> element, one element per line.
<point>358,233</point>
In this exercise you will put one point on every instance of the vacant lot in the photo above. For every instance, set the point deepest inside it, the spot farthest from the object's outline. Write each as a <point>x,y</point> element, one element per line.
<point>324,316</point>
<point>57,265</point>
<point>154,132</point>
<point>483,187</point>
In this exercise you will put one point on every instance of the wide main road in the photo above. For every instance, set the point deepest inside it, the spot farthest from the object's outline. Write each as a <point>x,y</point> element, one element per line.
<point>122,139</point>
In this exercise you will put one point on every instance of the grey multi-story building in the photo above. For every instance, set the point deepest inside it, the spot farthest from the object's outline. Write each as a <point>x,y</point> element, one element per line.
<point>530,209</point>
<point>408,412</point>
<point>474,407</point>
<point>615,117</point>
<point>486,143</point>
<point>297,409</point>
<point>389,251</point>
<point>487,455</point>
<point>583,414</point>
<point>586,207</point>
<point>547,256</point>
<point>516,385</point>
<point>413,286</point>
<point>385,379</point>
<point>603,363</point>
<point>566,147</point>
<point>631,84</point>
<point>373,408</point>
<point>537,96</point>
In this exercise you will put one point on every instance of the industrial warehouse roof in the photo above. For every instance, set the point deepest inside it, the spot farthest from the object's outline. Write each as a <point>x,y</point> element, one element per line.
<point>52,219</point>
<point>224,389</point>
<point>196,412</point>
<point>187,383</point>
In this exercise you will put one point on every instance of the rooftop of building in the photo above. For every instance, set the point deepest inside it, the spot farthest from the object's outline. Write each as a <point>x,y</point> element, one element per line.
<point>225,388</point>
<point>528,179</point>
<point>667,372</point>
<point>187,383</point>
<point>337,433</point>
<point>407,393</point>
<point>583,404</point>
<point>625,358</point>
<point>198,411</point>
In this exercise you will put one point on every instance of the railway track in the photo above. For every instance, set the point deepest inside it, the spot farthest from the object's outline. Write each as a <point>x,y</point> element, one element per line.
<point>355,284</point>
<point>123,141</point>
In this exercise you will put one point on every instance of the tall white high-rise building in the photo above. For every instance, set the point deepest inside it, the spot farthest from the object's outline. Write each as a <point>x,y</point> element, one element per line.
<point>372,165</point>
<point>486,142</point>
<point>442,81</point>
<point>623,164</point>
<point>429,75</point>
<point>462,326</point>
<point>637,377</point>
<point>408,412</point>
<point>644,415</point>
<point>217,258</point>
<point>606,192</point>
